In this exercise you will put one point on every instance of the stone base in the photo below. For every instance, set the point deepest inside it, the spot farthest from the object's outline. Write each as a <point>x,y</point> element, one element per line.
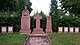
<point>77,30</point>
<point>70,31</point>
<point>38,31</point>
<point>25,31</point>
<point>65,32</point>
<point>4,32</point>
<point>60,31</point>
<point>38,35</point>
<point>48,31</point>
<point>10,31</point>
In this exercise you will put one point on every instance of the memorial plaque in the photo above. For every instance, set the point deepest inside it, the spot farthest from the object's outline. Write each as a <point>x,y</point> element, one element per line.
<point>76,29</point>
<point>65,29</point>
<point>10,29</point>
<point>4,29</point>
<point>71,29</point>
<point>60,29</point>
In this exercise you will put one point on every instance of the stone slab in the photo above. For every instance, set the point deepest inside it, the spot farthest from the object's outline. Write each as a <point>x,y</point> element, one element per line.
<point>71,29</point>
<point>76,29</point>
<point>25,22</point>
<point>10,29</point>
<point>4,29</point>
<point>65,29</point>
<point>60,29</point>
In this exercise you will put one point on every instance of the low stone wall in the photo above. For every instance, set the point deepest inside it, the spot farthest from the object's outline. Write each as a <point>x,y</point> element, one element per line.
<point>68,30</point>
<point>6,29</point>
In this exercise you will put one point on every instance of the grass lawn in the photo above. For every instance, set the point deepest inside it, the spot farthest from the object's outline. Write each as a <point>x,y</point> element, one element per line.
<point>12,39</point>
<point>65,39</point>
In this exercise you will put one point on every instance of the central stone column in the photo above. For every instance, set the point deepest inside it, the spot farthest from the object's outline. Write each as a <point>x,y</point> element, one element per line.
<point>38,30</point>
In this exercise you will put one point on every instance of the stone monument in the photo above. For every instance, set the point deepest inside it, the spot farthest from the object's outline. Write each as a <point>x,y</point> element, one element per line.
<point>60,29</point>
<point>76,29</point>
<point>10,29</point>
<point>4,29</point>
<point>38,30</point>
<point>71,29</point>
<point>65,29</point>
<point>25,22</point>
<point>49,25</point>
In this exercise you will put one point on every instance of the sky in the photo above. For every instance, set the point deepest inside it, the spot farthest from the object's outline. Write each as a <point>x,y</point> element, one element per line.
<point>40,5</point>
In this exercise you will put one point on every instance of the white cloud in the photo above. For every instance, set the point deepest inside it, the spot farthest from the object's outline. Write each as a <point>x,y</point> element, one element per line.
<point>41,5</point>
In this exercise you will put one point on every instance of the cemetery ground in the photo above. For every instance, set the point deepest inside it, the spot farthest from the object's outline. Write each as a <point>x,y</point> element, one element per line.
<point>12,39</point>
<point>56,39</point>
<point>65,39</point>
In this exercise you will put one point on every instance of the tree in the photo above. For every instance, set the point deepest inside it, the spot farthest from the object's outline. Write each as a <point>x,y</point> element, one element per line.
<point>7,5</point>
<point>56,15</point>
<point>70,21</point>
<point>73,6</point>
<point>14,5</point>
<point>53,6</point>
<point>21,3</point>
<point>10,11</point>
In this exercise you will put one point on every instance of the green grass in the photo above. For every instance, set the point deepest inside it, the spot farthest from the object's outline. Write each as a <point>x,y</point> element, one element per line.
<point>65,39</point>
<point>12,39</point>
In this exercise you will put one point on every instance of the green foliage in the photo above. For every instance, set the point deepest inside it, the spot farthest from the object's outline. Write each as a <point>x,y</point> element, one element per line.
<point>14,5</point>
<point>55,14</point>
<point>10,12</point>
<point>7,5</point>
<point>65,39</point>
<point>12,39</point>
<point>60,19</point>
<point>21,3</point>
<point>53,6</point>
<point>73,6</point>
<point>70,21</point>
<point>33,23</point>
<point>11,20</point>
<point>43,21</point>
